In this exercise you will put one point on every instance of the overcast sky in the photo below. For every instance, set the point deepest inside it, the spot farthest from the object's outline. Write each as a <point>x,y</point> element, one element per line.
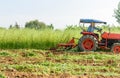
<point>58,12</point>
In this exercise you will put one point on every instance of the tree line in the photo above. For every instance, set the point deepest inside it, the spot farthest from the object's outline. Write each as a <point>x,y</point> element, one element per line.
<point>117,13</point>
<point>34,24</point>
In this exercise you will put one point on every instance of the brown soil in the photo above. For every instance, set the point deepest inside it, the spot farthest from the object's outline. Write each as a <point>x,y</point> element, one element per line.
<point>22,58</point>
<point>15,74</point>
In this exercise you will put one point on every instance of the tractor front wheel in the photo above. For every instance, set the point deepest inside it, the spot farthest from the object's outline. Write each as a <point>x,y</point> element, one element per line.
<point>87,43</point>
<point>116,48</point>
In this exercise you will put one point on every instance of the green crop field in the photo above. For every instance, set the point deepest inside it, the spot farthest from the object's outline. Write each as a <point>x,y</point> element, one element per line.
<point>30,38</point>
<point>39,39</point>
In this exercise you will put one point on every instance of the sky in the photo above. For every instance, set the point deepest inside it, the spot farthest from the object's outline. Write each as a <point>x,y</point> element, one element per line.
<point>60,13</point>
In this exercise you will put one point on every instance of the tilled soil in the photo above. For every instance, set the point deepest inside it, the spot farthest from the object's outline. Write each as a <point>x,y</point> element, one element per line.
<point>30,75</point>
<point>22,57</point>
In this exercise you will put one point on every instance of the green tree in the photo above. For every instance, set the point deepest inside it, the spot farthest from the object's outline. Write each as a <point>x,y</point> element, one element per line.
<point>117,13</point>
<point>50,26</point>
<point>10,26</point>
<point>16,26</point>
<point>35,24</point>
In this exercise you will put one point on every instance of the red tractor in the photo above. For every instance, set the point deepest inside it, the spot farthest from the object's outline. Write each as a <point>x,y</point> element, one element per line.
<point>90,41</point>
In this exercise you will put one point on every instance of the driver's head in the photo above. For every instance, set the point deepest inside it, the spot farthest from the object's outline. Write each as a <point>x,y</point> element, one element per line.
<point>92,24</point>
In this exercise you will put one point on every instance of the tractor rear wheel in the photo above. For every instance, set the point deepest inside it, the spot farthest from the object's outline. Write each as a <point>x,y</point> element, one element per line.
<point>116,48</point>
<point>87,43</point>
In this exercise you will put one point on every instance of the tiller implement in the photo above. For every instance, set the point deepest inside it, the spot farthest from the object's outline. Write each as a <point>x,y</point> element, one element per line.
<point>71,44</point>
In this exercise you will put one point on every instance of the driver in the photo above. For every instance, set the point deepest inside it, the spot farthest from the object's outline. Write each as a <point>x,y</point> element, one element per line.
<point>92,27</point>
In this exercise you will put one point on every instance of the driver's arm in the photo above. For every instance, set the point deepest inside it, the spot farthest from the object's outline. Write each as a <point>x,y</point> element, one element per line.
<point>97,28</point>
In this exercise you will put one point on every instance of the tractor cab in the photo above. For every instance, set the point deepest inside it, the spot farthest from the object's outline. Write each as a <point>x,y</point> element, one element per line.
<point>91,28</point>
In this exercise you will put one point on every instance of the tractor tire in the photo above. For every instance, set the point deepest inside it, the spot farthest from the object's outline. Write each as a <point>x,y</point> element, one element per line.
<point>87,43</point>
<point>116,48</point>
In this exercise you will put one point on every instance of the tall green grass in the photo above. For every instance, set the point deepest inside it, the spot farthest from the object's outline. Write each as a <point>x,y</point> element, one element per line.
<point>39,39</point>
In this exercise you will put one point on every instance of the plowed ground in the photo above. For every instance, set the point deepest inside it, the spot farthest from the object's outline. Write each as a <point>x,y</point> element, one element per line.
<point>46,64</point>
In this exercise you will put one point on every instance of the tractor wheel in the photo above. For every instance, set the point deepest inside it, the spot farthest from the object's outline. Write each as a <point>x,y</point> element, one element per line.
<point>116,48</point>
<point>87,43</point>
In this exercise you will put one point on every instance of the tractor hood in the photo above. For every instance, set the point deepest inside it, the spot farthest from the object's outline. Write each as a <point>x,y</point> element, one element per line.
<point>91,21</point>
<point>106,35</point>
